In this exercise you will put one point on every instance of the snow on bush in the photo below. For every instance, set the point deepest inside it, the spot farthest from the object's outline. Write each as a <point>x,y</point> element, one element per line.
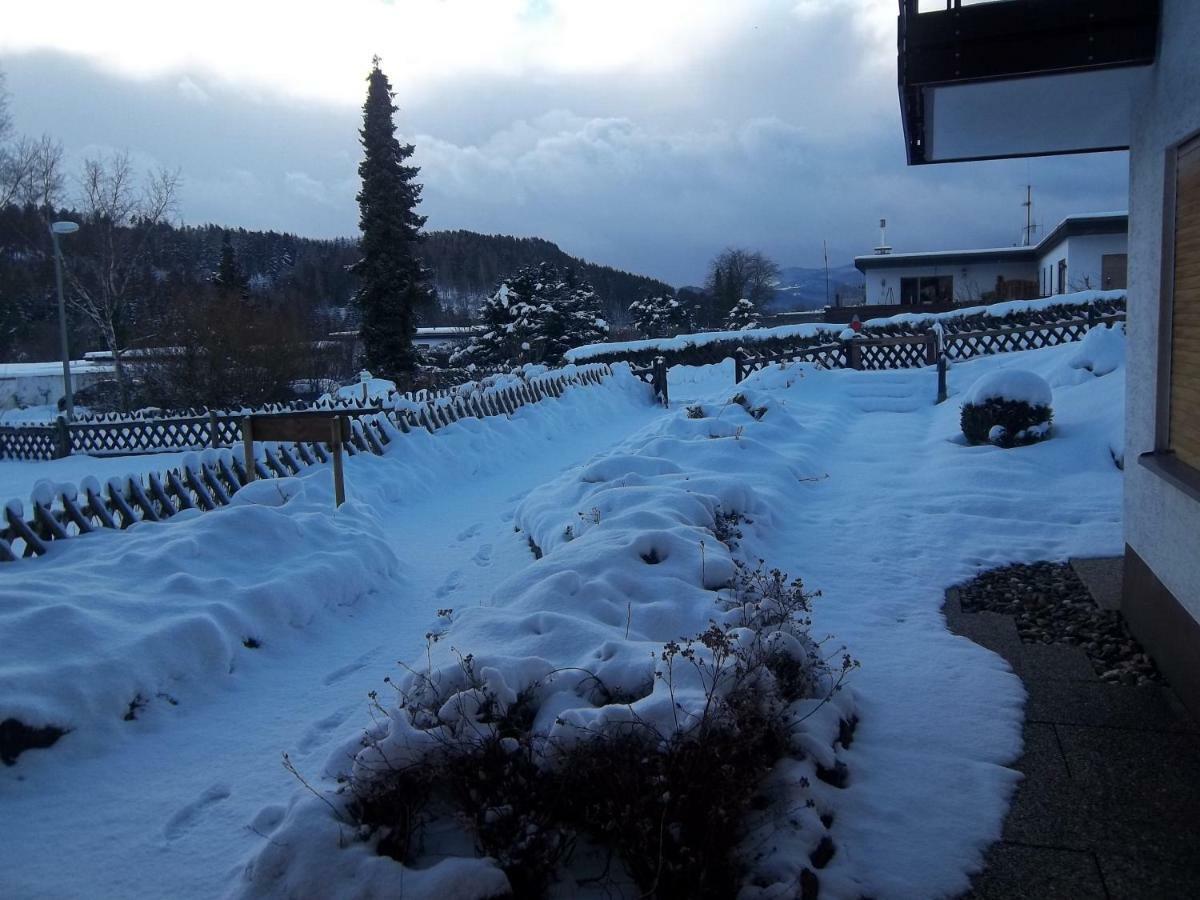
<point>659,317</point>
<point>1008,408</point>
<point>627,696</point>
<point>1101,351</point>
<point>742,317</point>
<point>535,316</point>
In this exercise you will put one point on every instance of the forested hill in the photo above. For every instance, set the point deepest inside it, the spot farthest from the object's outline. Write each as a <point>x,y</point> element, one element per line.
<point>467,265</point>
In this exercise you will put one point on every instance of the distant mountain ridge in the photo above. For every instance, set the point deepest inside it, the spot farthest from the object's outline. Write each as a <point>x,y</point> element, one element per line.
<point>804,288</point>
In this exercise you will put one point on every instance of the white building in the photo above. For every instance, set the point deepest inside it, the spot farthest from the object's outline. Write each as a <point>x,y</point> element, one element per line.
<point>1081,252</point>
<point>1115,75</point>
<point>40,384</point>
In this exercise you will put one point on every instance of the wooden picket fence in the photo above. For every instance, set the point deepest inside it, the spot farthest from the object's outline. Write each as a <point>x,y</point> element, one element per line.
<point>209,481</point>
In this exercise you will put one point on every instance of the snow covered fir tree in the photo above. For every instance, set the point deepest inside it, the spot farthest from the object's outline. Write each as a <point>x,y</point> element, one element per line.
<point>659,316</point>
<point>394,281</point>
<point>535,317</point>
<point>743,316</point>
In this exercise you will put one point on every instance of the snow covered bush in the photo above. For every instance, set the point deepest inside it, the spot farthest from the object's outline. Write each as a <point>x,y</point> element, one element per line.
<point>667,797</point>
<point>659,317</point>
<point>742,317</point>
<point>1008,408</point>
<point>1101,351</point>
<point>534,317</point>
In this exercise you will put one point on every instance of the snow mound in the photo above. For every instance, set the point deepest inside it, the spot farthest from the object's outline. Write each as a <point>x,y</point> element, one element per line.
<point>1016,385</point>
<point>1101,351</point>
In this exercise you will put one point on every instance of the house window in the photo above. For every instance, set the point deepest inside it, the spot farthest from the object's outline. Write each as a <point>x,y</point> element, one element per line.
<point>927,289</point>
<point>1062,276</point>
<point>1183,381</point>
<point>1113,269</point>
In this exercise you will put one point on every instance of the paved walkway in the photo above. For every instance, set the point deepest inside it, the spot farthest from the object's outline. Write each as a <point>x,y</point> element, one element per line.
<point>1110,804</point>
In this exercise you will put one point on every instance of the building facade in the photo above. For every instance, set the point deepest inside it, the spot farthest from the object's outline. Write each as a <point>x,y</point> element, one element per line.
<point>1083,252</point>
<point>1120,75</point>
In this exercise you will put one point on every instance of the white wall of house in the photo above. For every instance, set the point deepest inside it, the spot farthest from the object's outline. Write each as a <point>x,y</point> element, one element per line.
<point>41,383</point>
<point>1083,254</point>
<point>970,281</point>
<point>1162,524</point>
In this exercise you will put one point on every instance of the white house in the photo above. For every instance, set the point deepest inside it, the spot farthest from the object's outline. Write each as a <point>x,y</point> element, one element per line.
<point>1081,252</point>
<point>1115,75</point>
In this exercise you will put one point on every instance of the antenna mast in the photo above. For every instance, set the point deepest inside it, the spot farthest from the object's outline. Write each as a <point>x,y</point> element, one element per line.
<point>825,251</point>
<point>1030,227</point>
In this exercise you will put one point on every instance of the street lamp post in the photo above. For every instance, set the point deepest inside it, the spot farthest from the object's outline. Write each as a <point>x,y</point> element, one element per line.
<point>56,229</point>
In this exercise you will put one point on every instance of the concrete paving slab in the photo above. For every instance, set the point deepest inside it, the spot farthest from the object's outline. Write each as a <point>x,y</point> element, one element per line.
<point>1014,870</point>
<point>1041,662</point>
<point>1096,703</point>
<point>1103,577</point>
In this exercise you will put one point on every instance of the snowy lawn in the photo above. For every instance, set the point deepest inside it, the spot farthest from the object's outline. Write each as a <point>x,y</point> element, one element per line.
<point>168,804</point>
<point>854,481</point>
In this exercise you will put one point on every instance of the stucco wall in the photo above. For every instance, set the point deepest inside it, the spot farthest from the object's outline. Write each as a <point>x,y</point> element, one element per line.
<point>1161,523</point>
<point>978,277</point>
<point>1082,253</point>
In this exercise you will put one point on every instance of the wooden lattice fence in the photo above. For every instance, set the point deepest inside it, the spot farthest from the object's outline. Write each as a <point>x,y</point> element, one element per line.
<point>917,348</point>
<point>209,480</point>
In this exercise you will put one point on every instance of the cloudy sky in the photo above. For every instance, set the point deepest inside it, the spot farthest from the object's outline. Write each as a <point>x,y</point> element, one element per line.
<point>646,134</point>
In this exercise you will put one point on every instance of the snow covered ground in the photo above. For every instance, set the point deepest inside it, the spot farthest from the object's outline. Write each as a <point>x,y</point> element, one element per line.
<point>854,481</point>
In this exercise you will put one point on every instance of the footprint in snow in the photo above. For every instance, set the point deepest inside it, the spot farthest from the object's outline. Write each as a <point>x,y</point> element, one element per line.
<point>319,732</point>
<point>452,583</point>
<point>469,533</point>
<point>350,668</point>
<point>483,556</point>
<point>183,820</point>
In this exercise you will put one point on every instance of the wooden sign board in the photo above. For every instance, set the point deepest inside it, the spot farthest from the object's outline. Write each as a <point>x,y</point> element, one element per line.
<point>311,427</point>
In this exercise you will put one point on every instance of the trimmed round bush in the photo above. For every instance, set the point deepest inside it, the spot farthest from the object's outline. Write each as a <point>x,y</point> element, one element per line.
<point>1008,408</point>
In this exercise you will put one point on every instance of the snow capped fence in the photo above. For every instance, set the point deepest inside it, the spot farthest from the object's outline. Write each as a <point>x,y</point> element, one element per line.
<point>903,341</point>
<point>155,430</point>
<point>209,479</point>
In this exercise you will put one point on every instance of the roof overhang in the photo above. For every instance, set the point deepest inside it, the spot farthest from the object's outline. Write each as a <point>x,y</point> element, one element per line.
<point>946,258</point>
<point>1015,78</point>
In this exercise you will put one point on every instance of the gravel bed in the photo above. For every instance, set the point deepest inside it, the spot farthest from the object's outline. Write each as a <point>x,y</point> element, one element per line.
<point>1052,606</point>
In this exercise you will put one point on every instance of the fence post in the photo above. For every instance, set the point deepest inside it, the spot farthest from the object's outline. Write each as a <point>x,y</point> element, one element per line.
<point>853,354</point>
<point>739,364</point>
<point>660,380</point>
<point>62,439</point>
<point>214,430</point>
<point>941,367</point>
<point>931,348</point>
<point>1091,317</point>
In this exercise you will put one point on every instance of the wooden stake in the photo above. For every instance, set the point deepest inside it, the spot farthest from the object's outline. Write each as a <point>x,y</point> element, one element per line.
<point>248,441</point>
<point>339,483</point>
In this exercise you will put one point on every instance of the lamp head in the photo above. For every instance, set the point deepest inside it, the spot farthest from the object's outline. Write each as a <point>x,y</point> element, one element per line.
<point>64,227</point>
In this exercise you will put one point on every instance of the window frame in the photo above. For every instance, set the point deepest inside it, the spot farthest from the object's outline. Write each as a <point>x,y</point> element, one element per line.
<point>1162,459</point>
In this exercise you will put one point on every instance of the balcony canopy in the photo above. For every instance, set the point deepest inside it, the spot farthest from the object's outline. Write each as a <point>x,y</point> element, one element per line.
<point>1012,78</point>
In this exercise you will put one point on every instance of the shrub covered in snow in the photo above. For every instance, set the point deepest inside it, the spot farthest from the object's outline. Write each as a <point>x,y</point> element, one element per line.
<point>1008,408</point>
<point>535,316</point>
<point>742,317</point>
<point>488,748</point>
<point>1101,351</point>
<point>659,317</point>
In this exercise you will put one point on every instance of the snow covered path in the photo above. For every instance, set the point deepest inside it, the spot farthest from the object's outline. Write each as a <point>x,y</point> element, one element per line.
<point>170,810</point>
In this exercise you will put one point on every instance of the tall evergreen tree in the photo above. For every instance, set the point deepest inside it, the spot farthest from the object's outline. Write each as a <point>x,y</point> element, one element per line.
<point>394,284</point>
<point>230,280</point>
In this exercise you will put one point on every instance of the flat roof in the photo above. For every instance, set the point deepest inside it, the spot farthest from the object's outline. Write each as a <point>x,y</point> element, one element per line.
<point>1071,226</point>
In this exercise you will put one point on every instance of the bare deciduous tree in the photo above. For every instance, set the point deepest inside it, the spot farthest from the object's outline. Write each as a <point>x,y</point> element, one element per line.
<point>120,212</point>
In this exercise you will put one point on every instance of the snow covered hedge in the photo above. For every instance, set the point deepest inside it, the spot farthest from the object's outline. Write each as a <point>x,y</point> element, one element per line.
<point>1008,408</point>
<point>711,347</point>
